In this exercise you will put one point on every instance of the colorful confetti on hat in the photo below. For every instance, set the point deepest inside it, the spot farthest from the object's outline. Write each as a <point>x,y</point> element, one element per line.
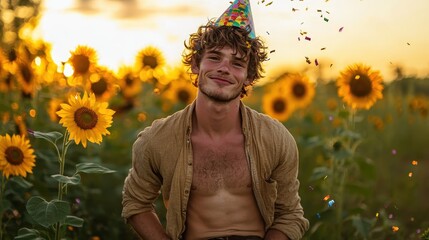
<point>239,15</point>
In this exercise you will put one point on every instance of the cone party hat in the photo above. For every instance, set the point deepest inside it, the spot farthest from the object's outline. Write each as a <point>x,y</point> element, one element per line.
<point>239,14</point>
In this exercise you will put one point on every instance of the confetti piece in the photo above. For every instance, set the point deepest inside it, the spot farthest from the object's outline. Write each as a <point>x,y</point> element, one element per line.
<point>414,162</point>
<point>323,48</point>
<point>326,20</point>
<point>408,44</point>
<point>394,151</point>
<point>307,60</point>
<point>331,65</point>
<point>395,228</point>
<point>268,4</point>
<point>316,62</point>
<point>377,214</point>
<point>331,203</point>
<point>341,29</point>
<point>295,9</point>
<point>268,33</point>
<point>327,197</point>
<point>325,177</point>
<point>318,215</point>
<point>272,51</point>
<point>307,38</point>
<point>410,174</point>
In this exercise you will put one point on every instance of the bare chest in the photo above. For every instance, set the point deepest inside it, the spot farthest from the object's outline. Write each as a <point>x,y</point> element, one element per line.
<point>221,167</point>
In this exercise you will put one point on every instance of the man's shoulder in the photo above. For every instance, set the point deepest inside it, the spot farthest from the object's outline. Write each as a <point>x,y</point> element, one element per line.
<point>166,126</point>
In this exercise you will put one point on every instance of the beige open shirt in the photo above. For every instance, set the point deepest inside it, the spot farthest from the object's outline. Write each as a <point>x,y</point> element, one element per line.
<point>162,160</point>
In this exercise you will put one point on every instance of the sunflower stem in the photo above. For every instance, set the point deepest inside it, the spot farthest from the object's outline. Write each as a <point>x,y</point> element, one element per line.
<point>62,160</point>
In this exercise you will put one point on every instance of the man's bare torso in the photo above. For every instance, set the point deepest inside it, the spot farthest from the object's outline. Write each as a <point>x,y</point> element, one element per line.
<point>221,201</point>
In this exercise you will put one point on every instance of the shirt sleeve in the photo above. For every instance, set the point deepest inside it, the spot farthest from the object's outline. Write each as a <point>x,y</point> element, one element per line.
<point>143,183</point>
<point>288,213</point>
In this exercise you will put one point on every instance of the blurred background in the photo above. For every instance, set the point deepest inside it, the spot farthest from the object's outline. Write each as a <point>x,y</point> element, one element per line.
<point>363,172</point>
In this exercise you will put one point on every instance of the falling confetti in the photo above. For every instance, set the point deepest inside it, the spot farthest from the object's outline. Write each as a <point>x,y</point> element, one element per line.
<point>395,228</point>
<point>268,4</point>
<point>414,162</point>
<point>316,62</point>
<point>326,197</point>
<point>318,215</point>
<point>377,214</point>
<point>307,60</point>
<point>341,29</point>
<point>394,151</point>
<point>410,174</point>
<point>307,38</point>
<point>323,48</point>
<point>331,203</point>
<point>326,20</point>
<point>408,44</point>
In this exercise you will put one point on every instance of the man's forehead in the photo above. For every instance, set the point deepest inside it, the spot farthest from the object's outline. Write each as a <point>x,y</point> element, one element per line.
<point>222,49</point>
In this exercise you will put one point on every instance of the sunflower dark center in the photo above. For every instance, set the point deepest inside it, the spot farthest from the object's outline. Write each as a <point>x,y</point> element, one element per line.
<point>279,105</point>
<point>337,146</point>
<point>80,63</point>
<point>12,56</point>
<point>183,95</point>
<point>99,87</point>
<point>129,80</point>
<point>299,90</point>
<point>26,73</point>
<point>150,61</point>
<point>14,155</point>
<point>360,85</point>
<point>85,118</point>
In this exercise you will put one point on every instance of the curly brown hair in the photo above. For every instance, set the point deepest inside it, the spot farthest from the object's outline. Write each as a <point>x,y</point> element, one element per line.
<point>210,36</point>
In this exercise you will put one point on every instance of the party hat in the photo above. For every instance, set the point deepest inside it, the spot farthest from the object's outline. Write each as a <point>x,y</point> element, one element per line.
<point>239,15</point>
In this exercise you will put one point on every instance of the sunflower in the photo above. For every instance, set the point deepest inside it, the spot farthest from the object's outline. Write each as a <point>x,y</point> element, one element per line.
<point>53,107</point>
<point>16,156</point>
<point>129,83</point>
<point>3,70</point>
<point>103,84</point>
<point>180,91</point>
<point>277,105</point>
<point>300,90</point>
<point>149,63</point>
<point>85,118</point>
<point>82,59</point>
<point>26,78</point>
<point>359,86</point>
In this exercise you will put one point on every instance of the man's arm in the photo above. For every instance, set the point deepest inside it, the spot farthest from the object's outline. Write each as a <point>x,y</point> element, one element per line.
<point>273,234</point>
<point>148,226</point>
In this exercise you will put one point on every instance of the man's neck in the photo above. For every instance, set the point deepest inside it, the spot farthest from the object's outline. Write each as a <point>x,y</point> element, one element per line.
<point>216,119</point>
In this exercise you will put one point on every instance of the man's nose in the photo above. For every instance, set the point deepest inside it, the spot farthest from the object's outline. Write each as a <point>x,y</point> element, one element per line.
<point>224,66</point>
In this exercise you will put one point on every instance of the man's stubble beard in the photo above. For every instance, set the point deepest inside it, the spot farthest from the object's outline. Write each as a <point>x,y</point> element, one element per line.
<point>218,97</point>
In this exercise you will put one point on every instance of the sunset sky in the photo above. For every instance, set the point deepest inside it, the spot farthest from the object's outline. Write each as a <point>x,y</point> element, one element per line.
<point>382,34</point>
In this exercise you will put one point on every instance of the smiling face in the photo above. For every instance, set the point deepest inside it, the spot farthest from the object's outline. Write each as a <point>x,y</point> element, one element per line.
<point>222,74</point>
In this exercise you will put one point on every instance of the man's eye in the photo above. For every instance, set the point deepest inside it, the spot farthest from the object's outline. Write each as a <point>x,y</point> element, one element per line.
<point>239,64</point>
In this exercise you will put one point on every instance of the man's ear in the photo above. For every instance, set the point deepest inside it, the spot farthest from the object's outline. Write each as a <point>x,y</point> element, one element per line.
<point>194,69</point>
<point>247,82</point>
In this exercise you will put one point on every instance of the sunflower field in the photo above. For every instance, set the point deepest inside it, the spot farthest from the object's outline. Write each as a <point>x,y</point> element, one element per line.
<point>67,128</point>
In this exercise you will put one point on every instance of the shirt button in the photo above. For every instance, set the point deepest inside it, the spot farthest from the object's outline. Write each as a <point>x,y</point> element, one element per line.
<point>186,192</point>
<point>190,163</point>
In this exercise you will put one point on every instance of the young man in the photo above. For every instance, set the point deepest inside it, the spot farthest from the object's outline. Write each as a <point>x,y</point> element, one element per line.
<point>225,171</point>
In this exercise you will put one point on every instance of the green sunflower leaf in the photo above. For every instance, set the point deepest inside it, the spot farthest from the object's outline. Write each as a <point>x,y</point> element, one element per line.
<point>47,213</point>
<point>92,168</point>
<point>73,180</point>
<point>74,221</point>
<point>51,137</point>
<point>21,182</point>
<point>28,234</point>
